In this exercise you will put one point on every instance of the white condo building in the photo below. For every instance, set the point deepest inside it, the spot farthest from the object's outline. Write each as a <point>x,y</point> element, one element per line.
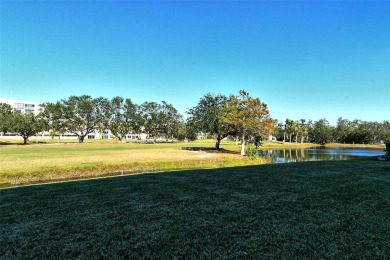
<point>22,105</point>
<point>34,107</point>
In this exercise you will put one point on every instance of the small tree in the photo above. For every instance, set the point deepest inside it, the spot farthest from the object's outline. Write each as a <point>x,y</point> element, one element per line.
<point>52,134</point>
<point>249,116</point>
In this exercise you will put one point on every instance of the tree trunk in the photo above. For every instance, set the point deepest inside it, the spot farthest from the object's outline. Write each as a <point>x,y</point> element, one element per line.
<point>284,137</point>
<point>217,142</point>
<point>81,139</point>
<point>290,137</point>
<point>243,145</point>
<point>25,139</point>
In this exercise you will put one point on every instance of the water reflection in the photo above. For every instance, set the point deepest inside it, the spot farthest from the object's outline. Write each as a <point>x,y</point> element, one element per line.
<point>303,155</point>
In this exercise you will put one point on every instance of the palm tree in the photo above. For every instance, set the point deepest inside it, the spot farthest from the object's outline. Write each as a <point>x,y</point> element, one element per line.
<point>295,130</point>
<point>303,129</point>
<point>288,128</point>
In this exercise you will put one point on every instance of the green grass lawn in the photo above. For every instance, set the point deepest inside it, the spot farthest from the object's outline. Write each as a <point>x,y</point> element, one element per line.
<point>328,209</point>
<point>51,162</point>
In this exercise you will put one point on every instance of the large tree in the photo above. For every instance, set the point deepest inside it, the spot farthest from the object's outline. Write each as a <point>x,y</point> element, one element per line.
<point>249,116</point>
<point>55,121</point>
<point>170,120</point>
<point>81,115</point>
<point>321,132</point>
<point>150,112</point>
<point>103,110</point>
<point>206,117</point>
<point>160,119</point>
<point>27,124</point>
<point>342,130</point>
<point>123,117</point>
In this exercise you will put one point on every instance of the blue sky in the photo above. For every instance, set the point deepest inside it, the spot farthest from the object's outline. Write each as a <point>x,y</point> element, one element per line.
<point>305,59</point>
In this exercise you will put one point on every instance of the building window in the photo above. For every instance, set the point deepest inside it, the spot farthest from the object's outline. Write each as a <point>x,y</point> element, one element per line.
<point>19,105</point>
<point>29,111</point>
<point>29,106</point>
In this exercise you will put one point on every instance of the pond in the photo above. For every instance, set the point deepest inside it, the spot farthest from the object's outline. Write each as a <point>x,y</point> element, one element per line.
<point>317,154</point>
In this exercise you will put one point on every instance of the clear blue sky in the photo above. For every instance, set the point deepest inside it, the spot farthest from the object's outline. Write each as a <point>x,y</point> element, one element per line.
<point>304,59</point>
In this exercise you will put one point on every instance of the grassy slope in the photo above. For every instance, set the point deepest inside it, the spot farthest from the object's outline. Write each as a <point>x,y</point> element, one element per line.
<point>306,210</point>
<point>95,158</point>
<point>68,161</point>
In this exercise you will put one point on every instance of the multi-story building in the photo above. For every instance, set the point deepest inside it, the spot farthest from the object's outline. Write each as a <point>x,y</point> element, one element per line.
<point>35,108</point>
<point>22,106</point>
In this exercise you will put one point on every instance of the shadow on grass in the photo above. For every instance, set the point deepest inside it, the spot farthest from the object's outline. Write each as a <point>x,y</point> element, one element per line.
<point>326,209</point>
<point>209,150</point>
<point>2,143</point>
<point>20,142</point>
<point>5,143</point>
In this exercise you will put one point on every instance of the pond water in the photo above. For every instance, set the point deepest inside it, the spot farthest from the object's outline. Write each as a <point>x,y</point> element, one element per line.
<point>317,154</point>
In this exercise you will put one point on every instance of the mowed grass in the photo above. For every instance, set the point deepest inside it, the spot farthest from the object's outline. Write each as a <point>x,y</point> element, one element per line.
<point>329,209</point>
<point>50,162</point>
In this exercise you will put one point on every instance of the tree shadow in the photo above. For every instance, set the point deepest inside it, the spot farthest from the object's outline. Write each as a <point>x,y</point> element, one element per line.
<point>209,150</point>
<point>4,143</point>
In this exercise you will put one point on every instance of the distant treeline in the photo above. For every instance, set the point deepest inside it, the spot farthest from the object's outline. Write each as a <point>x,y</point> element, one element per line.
<point>239,116</point>
<point>345,131</point>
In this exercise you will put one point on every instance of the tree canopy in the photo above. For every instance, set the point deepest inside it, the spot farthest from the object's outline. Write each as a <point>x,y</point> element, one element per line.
<point>5,117</point>
<point>122,117</point>
<point>206,117</point>
<point>248,116</point>
<point>27,125</point>
<point>239,116</point>
<point>79,115</point>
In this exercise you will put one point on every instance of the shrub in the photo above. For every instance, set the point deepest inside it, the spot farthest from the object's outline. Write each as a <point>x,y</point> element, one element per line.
<point>252,153</point>
<point>387,156</point>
